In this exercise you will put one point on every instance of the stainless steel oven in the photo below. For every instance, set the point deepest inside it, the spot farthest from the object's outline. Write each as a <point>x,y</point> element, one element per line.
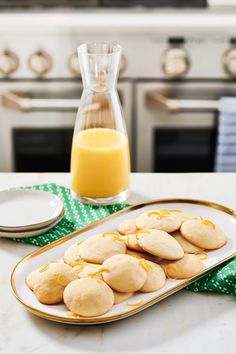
<point>177,124</point>
<point>37,120</point>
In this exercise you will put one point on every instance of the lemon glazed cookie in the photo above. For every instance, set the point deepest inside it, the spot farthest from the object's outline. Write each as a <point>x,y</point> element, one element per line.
<point>88,297</point>
<point>186,267</point>
<point>71,255</point>
<point>158,219</point>
<point>187,246</point>
<point>160,243</point>
<point>132,242</point>
<point>181,215</point>
<point>33,279</point>
<point>127,227</point>
<point>203,233</point>
<point>156,277</point>
<point>123,273</point>
<point>96,249</point>
<point>52,282</point>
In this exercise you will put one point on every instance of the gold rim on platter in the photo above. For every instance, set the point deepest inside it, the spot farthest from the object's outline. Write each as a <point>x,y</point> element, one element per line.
<point>99,320</point>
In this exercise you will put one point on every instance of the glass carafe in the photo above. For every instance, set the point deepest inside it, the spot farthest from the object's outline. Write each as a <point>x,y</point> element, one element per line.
<point>100,160</point>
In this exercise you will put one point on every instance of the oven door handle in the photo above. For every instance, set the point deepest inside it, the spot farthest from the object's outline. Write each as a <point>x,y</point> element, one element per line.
<point>155,100</point>
<point>18,102</point>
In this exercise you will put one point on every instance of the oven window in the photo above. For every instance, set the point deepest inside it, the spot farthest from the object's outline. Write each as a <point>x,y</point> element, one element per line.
<point>42,150</point>
<point>184,150</point>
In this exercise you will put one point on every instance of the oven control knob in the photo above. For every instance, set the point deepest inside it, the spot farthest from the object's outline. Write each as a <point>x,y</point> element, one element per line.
<point>229,62</point>
<point>175,62</point>
<point>40,62</point>
<point>9,62</point>
<point>74,64</point>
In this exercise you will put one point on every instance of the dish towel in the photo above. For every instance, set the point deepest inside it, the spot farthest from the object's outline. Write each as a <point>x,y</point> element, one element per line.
<point>77,215</point>
<point>225,159</point>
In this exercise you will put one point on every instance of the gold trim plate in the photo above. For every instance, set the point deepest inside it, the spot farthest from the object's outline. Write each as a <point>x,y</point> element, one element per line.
<point>142,306</point>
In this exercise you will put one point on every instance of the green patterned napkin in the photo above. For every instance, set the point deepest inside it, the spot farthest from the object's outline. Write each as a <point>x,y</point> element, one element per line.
<point>222,279</point>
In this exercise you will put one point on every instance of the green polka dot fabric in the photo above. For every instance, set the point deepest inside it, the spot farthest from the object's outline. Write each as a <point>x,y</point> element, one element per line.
<point>222,279</point>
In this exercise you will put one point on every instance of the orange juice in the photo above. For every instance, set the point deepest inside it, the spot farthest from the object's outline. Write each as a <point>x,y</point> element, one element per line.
<point>100,163</point>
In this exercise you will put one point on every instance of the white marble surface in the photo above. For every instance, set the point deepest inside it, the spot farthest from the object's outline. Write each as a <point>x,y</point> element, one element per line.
<point>184,323</point>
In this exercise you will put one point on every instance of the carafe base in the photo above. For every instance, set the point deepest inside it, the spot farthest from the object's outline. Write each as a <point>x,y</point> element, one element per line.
<point>119,198</point>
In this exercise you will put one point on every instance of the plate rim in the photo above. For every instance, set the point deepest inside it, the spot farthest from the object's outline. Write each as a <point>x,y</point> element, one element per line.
<point>99,320</point>
<point>28,227</point>
<point>43,229</point>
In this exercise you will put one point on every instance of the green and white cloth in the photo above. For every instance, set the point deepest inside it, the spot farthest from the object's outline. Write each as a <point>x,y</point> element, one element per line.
<point>222,279</point>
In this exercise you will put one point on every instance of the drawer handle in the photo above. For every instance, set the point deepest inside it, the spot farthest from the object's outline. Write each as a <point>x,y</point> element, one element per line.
<point>19,101</point>
<point>156,101</point>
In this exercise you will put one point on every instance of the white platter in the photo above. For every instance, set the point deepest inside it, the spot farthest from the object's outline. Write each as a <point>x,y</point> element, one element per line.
<point>32,232</point>
<point>222,216</point>
<point>22,209</point>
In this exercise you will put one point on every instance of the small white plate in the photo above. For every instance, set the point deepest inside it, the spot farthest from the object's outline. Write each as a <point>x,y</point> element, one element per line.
<point>22,209</point>
<point>30,233</point>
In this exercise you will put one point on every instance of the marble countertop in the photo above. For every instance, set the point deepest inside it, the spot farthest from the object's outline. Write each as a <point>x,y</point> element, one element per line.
<point>183,323</point>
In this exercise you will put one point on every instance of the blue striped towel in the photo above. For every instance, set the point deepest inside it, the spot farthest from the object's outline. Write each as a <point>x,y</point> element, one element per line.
<point>225,159</point>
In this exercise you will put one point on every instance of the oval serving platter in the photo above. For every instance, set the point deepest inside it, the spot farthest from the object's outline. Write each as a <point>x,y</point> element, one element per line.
<point>222,216</point>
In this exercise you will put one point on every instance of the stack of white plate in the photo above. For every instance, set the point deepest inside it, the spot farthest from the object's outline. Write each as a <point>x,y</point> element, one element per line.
<point>25,213</point>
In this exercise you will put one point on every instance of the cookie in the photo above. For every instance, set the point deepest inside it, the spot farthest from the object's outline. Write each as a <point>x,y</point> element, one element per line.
<point>142,255</point>
<point>32,279</point>
<point>71,255</point>
<point>158,219</point>
<point>132,242</point>
<point>181,215</point>
<point>186,267</point>
<point>120,297</point>
<point>52,282</point>
<point>88,297</point>
<point>97,249</point>
<point>203,233</point>
<point>156,278</point>
<point>123,273</point>
<point>187,246</point>
<point>89,270</point>
<point>127,227</point>
<point>160,243</point>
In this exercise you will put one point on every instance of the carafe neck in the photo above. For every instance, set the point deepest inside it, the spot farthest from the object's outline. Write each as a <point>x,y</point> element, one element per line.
<point>99,65</point>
